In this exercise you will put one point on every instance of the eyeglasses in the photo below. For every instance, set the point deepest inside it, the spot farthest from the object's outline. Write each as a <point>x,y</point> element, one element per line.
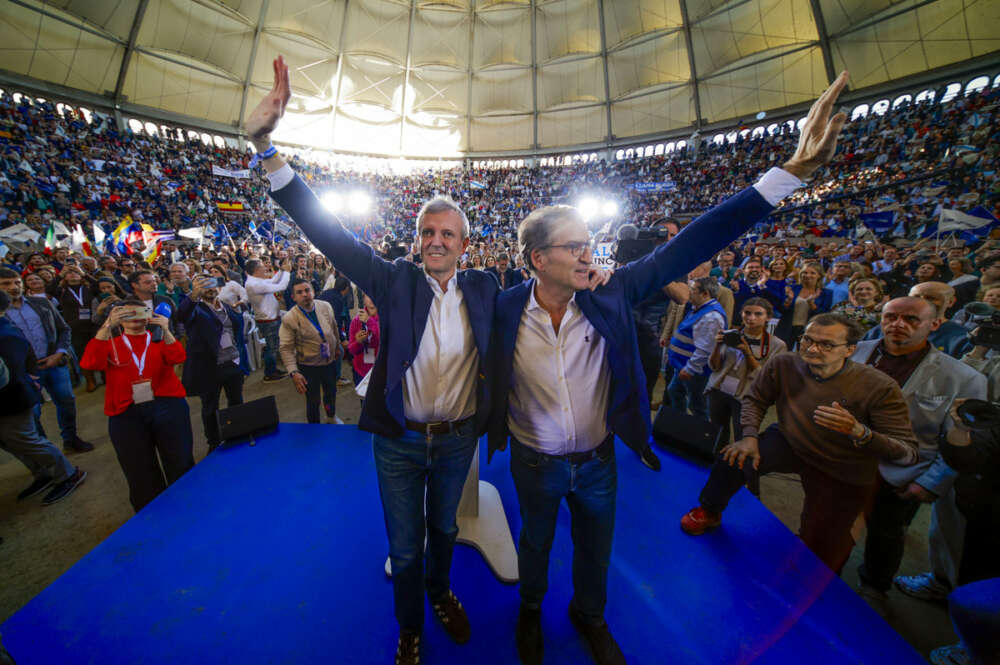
<point>805,341</point>
<point>575,248</point>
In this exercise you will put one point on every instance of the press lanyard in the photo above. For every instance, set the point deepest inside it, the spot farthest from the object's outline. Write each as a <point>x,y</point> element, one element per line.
<point>315,324</point>
<point>139,362</point>
<point>78,296</point>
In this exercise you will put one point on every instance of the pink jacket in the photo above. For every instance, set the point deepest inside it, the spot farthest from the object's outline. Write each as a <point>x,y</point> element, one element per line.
<point>358,350</point>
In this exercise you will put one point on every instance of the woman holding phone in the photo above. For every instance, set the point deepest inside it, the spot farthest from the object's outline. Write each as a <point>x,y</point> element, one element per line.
<point>148,417</point>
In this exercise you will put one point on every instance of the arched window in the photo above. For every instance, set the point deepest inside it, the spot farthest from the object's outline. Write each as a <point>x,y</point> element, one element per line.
<point>135,125</point>
<point>593,157</point>
<point>772,129</point>
<point>17,98</point>
<point>951,92</point>
<point>901,101</point>
<point>87,115</point>
<point>659,149</point>
<point>976,84</point>
<point>670,147</point>
<point>62,108</point>
<point>926,96</point>
<point>219,141</point>
<point>731,137</point>
<point>996,81</point>
<point>620,155</point>
<point>757,132</point>
<point>799,123</point>
<point>718,139</point>
<point>629,153</point>
<point>791,125</point>
<point>880,107</point>
<point>649,150</point>
<point>860,111</point>
<point>681,145</point>
<point>206,138</point>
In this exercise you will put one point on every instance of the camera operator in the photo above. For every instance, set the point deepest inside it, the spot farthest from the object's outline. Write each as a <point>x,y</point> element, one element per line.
<point>836,420</point>
<point>691,346</point>
<point>217,357</point>
<point>930,381</point>
<point>143,399</point>
<point>735,363</point>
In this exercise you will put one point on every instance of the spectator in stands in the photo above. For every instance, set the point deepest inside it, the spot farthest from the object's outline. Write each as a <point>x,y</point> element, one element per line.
<point>750,285</point>
<point>178,283</point>
<point>949,336</point>
<point>216,350</point>
<point>920,370</point>
<point>149,421</point>
<point>964,281</point>
<point>864,303</point>
<point>724,270</point>
<point>18,434</point>
<point>49,336</point>
<point>309,344</point>
<point>735,368</point>
<point>364,340</point>
<point>261,285</point>
<point>691,346</point>
<point>338,296</point>
<point>107,295</point>
<point>75,296</point>
<point>839,283</point>
<point>126,266</point>
<point>231,292</point>
<point>507,276</point>
<point>819,394</point>
<point>808,299</point>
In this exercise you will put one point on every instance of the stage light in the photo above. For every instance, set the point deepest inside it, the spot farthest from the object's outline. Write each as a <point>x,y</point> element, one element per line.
<point>609,209</point>
<point>588,208</point>
<point>359,203</point>
<point>332,202</point>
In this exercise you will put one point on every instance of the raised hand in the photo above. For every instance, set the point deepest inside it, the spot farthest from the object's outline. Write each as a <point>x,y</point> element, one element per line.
<point>264,118</point>
<point>818,138</point>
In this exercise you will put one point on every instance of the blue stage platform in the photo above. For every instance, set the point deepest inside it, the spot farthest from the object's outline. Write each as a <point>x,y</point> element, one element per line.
<point>275,554</point>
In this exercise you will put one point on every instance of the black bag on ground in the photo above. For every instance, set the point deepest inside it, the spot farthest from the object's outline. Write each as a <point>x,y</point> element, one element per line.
<point>689,435</point>
<point>248,419</point>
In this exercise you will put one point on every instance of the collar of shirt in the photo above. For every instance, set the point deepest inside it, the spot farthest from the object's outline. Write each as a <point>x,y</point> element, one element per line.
<point>571,306</point>
<point>436,286</point>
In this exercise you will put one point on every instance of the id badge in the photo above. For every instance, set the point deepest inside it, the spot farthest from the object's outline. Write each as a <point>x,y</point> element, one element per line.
<point>324,350</point>
<point>84,314</point>
<point>226,340</point>
<point>142,391</point>
<point>369,357</point>
<point>729,385</point>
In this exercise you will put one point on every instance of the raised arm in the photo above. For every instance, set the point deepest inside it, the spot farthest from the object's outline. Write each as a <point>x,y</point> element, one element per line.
<point>352,257</point>
<point>718,227</point>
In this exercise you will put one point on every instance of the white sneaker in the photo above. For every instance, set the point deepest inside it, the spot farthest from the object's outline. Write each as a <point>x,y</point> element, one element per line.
<point>954,654</point>
<point>924,586</point>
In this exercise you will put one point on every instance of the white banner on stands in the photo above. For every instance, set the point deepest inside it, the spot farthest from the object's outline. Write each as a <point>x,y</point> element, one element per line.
<point>227,173</point>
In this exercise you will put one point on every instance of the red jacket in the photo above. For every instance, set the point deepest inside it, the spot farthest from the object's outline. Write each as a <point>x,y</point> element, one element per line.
<point>114,359</point>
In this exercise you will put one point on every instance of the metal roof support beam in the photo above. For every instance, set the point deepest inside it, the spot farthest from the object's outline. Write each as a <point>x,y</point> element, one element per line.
<point>340,74</point>
<point>468,99</point>
<point>133,35</point>
<point>406,75</point>
<point>608,135</point>
<point>534,78</point>
<point>824,40</point>
<point>694,70</point>
<point>253,57</point>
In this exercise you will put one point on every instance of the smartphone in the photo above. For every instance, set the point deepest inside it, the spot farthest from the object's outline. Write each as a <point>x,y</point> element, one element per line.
<point>220,281</point>
<point>135,313</point>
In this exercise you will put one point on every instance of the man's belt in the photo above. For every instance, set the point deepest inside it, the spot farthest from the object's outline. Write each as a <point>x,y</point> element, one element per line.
<point>266,320</point>
<point>443,427</point>
<point>579,458</point>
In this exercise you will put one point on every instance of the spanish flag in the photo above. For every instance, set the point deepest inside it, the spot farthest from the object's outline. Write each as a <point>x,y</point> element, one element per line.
<point>230,206</point>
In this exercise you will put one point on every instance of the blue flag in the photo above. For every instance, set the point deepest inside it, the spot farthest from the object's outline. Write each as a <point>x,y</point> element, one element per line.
<point>879,222</point>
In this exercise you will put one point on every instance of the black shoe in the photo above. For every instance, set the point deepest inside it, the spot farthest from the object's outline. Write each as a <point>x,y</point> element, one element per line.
<point>275,377</point>
<point>529,636</point>
<point>603,648</point>
<point>65,488</point>
<point>408,648</point>
<point>37,485</point>
<point>449,611</point>
<point>650,459</point>
<point>77,445</point>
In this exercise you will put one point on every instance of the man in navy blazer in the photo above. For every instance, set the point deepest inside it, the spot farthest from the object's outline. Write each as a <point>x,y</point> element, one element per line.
<point>569,378</point>
<point>506,276</point>
<point>217,356</point>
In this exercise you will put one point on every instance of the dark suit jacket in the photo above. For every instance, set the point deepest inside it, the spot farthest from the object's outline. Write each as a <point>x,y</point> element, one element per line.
<point>20,393</point>
<point>204,330</point>
<point>400,291</point>
<point>57,332</point>
<point>511,277</point>
<point>609,310</point>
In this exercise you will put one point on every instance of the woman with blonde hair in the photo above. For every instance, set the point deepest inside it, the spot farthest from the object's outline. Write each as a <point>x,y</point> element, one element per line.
<point>801,302</point>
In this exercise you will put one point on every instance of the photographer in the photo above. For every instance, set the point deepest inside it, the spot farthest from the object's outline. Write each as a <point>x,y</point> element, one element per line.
<point>364,339</point>
<point>735,363</point>
<point>217,356</point>
<point>144,399</point>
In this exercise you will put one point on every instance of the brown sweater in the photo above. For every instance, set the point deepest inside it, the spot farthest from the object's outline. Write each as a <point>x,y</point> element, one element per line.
<point>873,399</point>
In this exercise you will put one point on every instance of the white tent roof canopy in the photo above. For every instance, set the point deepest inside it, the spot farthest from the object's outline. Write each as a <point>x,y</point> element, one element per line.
<point>450,77</point>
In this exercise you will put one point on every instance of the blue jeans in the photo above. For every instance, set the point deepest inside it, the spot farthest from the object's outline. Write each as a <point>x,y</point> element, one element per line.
<point>270,333</point>
<point>590,490</point>
<point>20,437</point>
<point>689,395</point>
<point>57,384</point>
<point>408,467</point>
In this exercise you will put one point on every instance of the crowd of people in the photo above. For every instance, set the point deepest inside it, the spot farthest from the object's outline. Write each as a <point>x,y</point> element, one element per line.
<point>882,329</point>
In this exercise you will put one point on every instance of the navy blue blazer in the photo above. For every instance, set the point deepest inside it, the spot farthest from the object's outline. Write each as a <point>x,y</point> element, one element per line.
<point>400,291</point>
<point>512,277</point>
<point>204,330</point>
<point>609,310</point>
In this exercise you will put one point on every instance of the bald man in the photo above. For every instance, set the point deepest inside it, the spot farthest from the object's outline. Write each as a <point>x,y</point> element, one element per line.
<point>930,381</point>
<point>948,336</point>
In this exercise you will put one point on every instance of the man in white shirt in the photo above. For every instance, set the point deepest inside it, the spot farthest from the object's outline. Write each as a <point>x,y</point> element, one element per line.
<point>261,285</point>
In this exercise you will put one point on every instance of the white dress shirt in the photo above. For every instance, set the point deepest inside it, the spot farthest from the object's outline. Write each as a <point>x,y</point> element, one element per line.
<point>440,385</point>
<point>558,401</point>
<point>261,294</point>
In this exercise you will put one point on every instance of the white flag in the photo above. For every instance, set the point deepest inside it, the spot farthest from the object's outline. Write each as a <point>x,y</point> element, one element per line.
<point>955,220</point>
<point>195,233</point>
<point>227,173</point>
<point>20,233</point>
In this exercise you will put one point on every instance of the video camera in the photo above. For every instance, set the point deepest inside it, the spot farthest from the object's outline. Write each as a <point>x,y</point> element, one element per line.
<point>636,242</point>
<point>987,320</point>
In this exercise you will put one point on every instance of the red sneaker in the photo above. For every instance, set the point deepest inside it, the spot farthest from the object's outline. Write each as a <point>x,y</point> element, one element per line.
<point>698,521</point>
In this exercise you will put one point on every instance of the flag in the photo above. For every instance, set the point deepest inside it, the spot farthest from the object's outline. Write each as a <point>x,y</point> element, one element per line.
<point>227,173</point>
<point>152,252</point>
<point>194,233</point>
<point>4,250</point>
<point>79,242</point>
<point>253,228</point>
<point>955,220</point>
<point>477,184</point>
<point>99,235</point>
<point>50,239</point>
<point>230,206</point>
<point>20,233</point>
<point>878,222</point>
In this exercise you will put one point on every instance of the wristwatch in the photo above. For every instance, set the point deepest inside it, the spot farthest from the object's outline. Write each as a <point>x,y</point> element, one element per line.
<point>864,439</point>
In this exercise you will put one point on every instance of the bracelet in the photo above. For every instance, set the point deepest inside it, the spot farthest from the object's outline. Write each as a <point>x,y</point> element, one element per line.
<point>256,159</point>
<point>865,437</point>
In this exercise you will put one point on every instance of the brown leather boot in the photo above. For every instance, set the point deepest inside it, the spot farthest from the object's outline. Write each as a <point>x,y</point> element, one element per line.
<point>88,374</point>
